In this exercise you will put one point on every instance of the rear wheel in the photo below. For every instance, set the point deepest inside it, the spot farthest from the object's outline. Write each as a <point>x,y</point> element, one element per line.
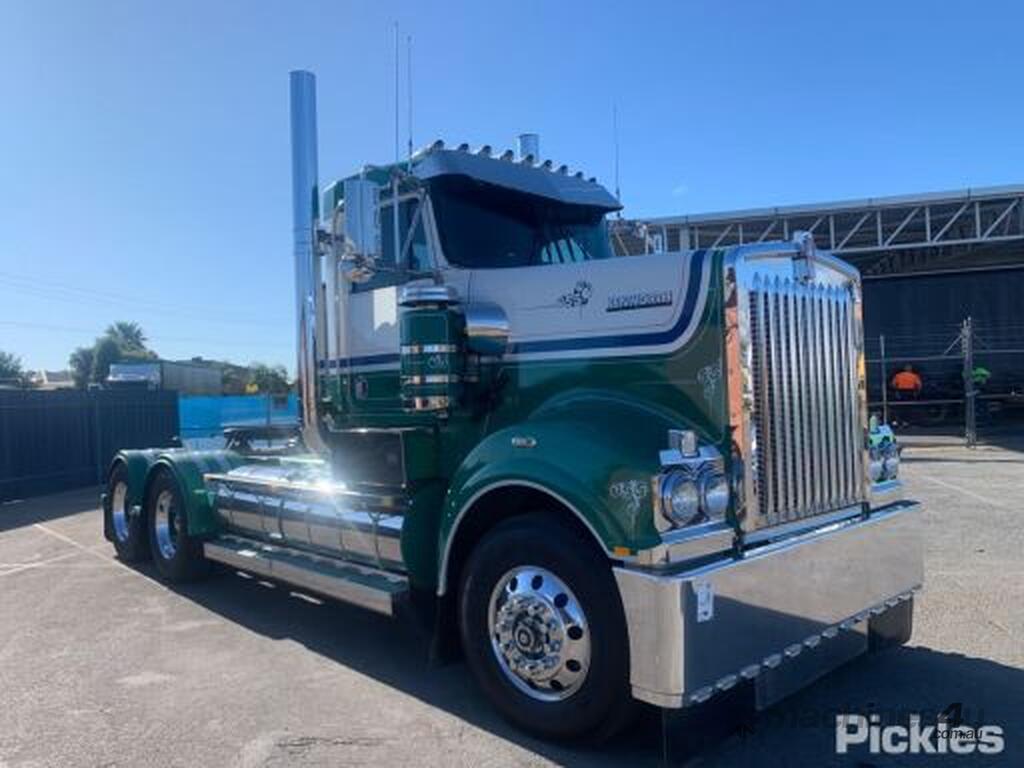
<point>125,521</point>
<point>544,632</point>
<point>177,556</point>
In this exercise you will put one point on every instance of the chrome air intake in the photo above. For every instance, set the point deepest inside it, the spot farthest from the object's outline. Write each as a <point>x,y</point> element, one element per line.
<point>305,212</point>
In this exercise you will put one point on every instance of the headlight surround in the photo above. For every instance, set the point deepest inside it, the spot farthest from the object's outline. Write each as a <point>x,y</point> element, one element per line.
<point>689,497</point>
<point>884,462</point>
<point>693,487</point>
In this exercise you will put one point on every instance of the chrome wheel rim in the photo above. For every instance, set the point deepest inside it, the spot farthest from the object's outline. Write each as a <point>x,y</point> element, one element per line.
<point>165,521</point>
<point>119,511</point>
<point>539,633</point>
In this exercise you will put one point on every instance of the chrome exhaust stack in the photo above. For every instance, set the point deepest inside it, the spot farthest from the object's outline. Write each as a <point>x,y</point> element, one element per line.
<point>305,214</point>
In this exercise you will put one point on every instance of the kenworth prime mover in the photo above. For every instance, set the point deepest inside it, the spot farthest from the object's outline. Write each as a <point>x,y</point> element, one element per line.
<point>600,478</point>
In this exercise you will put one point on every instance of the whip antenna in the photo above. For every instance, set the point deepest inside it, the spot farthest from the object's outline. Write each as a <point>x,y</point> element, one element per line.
<point>408,85</point>
<point>615,140</point>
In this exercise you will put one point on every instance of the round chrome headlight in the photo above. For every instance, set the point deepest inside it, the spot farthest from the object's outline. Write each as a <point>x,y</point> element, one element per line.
<point>714,495</point>
<point>891,461</point>
<point>680,498</point>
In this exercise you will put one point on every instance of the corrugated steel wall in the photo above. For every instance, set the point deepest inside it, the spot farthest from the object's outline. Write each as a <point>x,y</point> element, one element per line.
<point>54,441</point>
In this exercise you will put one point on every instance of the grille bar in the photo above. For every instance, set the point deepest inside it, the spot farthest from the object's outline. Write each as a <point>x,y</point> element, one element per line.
<point>805,404</point>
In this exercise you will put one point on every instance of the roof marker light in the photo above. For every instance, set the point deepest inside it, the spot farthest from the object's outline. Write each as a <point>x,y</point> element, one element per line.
<point>508,155</point>
<point>484,151</point>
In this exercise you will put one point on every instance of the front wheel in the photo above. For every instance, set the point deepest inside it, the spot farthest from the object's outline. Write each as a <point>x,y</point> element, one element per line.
<point>544,632</point>
<point>177,556</point>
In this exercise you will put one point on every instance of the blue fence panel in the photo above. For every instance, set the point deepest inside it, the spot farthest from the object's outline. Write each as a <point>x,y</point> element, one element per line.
<point>203,418</point>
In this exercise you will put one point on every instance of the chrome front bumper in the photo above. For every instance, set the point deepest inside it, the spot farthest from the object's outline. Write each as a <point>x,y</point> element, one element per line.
<point>703,630</point>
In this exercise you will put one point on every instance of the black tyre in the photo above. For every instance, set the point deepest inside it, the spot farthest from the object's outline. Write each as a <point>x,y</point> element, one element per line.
<point>125,523</point>
<point>892,628</point>
<point>177,556</point>
<point>543,630</point>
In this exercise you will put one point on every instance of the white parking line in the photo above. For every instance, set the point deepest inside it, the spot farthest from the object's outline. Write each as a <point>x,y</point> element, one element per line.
<point>19,567</point>
<point>105,558</point>
<point>965,492</point>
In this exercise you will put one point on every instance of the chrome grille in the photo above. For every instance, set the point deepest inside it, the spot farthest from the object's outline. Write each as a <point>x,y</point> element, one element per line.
<point>805,414</point>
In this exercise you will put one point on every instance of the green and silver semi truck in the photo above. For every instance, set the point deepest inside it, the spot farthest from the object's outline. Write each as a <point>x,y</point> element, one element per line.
<point>601,478</point>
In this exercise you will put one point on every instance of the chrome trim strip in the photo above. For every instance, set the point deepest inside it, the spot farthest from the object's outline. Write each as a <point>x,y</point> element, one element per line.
<point>428,404</point>
<point>433,378</point>
<point>384,501</point>
<point>442,577</point>
<point>803,525</point>
<point>427,349</point>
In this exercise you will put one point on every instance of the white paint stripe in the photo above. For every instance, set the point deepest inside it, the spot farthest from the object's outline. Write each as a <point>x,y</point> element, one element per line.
<point>91,551</point>
<point>19,567</point>
<point>965,492</point>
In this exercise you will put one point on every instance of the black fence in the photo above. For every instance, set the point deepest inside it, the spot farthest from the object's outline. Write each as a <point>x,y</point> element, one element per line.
<point>54,441</point>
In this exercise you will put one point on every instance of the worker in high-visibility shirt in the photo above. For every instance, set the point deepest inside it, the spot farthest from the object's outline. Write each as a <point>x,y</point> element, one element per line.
<point>907,383</point>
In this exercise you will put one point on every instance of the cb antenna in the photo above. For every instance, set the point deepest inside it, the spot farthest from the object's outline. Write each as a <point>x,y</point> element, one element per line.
<point>397,156</point>
<point>408,85</point>
<point>615,140</point>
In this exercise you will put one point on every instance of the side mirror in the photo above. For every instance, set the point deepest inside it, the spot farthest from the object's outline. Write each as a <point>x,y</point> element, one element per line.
<point>362,244</point>
<point>487,329</point>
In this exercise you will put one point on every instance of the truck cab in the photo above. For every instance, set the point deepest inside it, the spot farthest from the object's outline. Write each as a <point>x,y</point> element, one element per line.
<point>607,478</point>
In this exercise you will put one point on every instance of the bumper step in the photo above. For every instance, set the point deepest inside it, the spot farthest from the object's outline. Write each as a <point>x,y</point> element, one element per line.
<point>380,591</point>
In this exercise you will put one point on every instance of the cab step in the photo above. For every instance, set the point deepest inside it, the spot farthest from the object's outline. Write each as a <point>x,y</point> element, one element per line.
<point>380,591</point>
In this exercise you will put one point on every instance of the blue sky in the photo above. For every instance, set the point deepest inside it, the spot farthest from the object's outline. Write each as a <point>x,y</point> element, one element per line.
<point>144,148</point>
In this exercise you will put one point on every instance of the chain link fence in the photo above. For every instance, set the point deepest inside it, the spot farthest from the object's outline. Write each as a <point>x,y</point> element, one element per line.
<point>970,381</point>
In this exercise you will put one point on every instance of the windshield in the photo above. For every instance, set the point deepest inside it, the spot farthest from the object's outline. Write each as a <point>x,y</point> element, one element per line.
<point>483,226</point>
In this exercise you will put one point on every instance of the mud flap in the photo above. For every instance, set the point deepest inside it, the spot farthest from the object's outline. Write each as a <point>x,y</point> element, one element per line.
<point>688,732</point>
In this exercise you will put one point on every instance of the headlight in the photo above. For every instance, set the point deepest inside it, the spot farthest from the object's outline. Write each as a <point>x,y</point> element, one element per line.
<point>680,498</point>
<point>891,461</point>
<point>714,495</point>
<point>875,469</point>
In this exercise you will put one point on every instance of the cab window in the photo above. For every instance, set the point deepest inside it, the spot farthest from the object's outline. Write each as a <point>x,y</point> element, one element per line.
<point>482,226</point>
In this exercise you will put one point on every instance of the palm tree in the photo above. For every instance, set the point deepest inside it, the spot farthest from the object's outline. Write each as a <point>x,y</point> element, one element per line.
<point>128,335</point>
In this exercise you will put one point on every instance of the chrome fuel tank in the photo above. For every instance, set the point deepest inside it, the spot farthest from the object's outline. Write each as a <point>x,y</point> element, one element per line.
<point>299,504</point>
